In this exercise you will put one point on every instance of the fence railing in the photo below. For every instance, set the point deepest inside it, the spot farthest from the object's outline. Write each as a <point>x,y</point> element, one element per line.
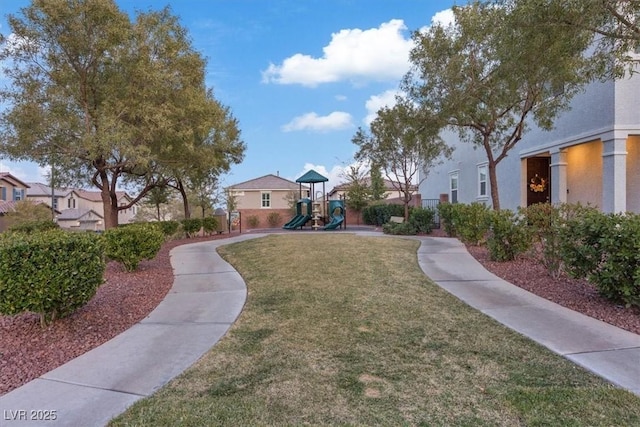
<point>433,204</point>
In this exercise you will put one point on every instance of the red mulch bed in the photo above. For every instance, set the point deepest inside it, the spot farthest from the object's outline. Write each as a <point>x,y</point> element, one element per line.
<point>27,351</point>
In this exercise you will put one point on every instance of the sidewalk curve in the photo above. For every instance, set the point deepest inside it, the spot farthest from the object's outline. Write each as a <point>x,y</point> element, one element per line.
<point>208,295</point>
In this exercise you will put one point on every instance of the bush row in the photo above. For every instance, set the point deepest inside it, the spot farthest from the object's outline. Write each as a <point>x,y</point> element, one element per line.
<point>420,221</point>
<point>53,272</point>
<point>578,240</point>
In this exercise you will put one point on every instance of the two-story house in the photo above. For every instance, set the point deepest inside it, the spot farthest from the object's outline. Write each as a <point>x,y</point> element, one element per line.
<point>592,156</point>
<point>257,198</point>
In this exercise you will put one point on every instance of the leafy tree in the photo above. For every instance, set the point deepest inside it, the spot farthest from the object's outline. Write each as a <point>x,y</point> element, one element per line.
<point>493,71</point>
<point>26,211</point>
<point>357,194</point>
<point>112,100</point>
<point>377,187</point>
<point>156,197</point>
<point>401,141</point>
<point>614,22</point>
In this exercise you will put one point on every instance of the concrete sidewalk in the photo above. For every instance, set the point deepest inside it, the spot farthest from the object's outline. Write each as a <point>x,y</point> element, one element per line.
<point>206,298</point>
<point>208,295</point>
<point>606,350</point>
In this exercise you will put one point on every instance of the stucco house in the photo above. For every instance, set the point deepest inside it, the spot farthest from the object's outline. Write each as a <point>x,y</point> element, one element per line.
<point>592,156</point>
<point>12,190</point>
<point>264,196</point>
<point>79,209</point>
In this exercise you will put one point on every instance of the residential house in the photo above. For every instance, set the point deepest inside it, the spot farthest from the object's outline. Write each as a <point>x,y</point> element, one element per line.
<point>391,194</point>
<point>592,156</point>
<point>12,190</point>
<point>266,197</point>
<point>80,209</point>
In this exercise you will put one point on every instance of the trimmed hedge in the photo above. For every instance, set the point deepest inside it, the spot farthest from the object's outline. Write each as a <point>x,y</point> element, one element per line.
<point>52,273</point>
<point>131,244</point>
<point>380,214</point>
<point>508,237</point>
<point>168,228</point>
<point>191,226</point>
<point>34,226</point>
<point>209,224</point>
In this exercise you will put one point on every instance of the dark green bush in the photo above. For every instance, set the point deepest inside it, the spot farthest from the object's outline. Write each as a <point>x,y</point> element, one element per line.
<point>422,219</point>
<point>447,212</point>
<point>191,226</point>
<point>34,226</point>
<point>508,236</point>
<point>605,249</point>
<point>52,273</point>
<point>209,224</point>
<point>380,214</point>
<point>168,228</point>
<point>402,228</point>
<point>132,244</point>
<point>471,222</point>
<point>273,219</point>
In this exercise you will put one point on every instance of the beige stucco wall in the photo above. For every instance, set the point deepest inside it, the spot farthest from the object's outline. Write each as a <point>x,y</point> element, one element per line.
<point>584,173</point>
<point>633,173</point>
<point>252,199</point>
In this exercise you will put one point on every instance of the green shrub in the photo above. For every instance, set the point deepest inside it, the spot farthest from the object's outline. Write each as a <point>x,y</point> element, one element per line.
<point>399,228</point>
<point>253,221</point>
<point>168,228</point>
<point>447,212</point>
<point>605,249</point>
<point>209,224</point>
<point>508,236</point>
<point>422,219</point>
<point>380,214</point>
<point>273,219</point>
<point>471,222</point>
<point>132,244</point>
<point>52,273</point>
<point>34,226</point>
<point>191,226</point>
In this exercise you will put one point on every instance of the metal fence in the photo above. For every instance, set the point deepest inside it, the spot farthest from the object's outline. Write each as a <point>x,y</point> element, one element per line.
<point>433,204</point>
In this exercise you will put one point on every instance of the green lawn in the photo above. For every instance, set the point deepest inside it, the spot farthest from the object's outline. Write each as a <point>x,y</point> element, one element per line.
<point>342,329</point>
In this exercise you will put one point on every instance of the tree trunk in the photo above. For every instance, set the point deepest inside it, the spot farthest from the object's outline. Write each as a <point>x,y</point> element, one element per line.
<point>493,182</point>
<point>158,211</point>
<point>109,203</point>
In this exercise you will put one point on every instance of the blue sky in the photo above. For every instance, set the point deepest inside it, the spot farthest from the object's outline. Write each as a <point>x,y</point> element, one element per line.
<point>299,75</point>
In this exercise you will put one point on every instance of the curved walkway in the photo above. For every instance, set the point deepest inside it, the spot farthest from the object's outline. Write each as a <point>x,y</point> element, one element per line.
<point>208,295</point>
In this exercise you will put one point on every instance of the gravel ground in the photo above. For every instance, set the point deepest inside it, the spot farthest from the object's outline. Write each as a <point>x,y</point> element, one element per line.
<point>27,351</point>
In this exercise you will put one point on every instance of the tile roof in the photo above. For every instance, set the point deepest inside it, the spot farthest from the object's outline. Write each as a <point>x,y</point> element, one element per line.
<point>40,189</point>
<point>76,214</point>
<point>267,182</point>
<point>12,179</point>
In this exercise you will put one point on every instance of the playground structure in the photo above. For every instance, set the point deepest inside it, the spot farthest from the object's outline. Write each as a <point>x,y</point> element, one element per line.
<point>331,213</point>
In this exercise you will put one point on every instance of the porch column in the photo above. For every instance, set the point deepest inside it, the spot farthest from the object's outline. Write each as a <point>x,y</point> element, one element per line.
<point>614,175</point>
<point>558,176</point>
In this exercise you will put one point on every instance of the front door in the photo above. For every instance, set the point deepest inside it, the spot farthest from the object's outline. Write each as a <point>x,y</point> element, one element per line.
<point>538,180</point>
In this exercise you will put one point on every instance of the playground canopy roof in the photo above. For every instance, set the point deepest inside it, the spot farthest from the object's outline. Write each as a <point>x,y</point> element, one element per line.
<point>311,177</point>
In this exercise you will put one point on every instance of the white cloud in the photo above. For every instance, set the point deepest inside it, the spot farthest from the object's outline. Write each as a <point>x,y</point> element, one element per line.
<point>337,120</point>
<point>379,54</point>
<point>376,102</point>
<point>444,18</point>
<point>341,97</point>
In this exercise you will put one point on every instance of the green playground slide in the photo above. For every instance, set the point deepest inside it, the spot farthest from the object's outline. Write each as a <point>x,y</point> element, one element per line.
<point>293,220</point>
<point>335,222</point>
<point>300,222</point>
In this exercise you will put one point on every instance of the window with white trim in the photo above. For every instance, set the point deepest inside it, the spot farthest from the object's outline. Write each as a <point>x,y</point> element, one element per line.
<point>453,187</point>
<point>265,200</point>
<point>482,180</point>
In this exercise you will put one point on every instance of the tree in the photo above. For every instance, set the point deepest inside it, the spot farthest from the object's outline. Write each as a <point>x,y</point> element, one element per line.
<point>376,183</point>
<point>107,97</point>
<point>357,194</point>
<point>401,141</point>
<point>156,197</point>
<point>492,72</point>
<point>26,211</point>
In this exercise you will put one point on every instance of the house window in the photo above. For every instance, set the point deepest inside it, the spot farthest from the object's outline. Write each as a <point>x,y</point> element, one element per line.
<point>266,200</point>
<point>55,203</point>
<point>18,194</point>
<point>71,203</point>
<point>482,180</point>
<point>4,193</point>
<point>453,187</point>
